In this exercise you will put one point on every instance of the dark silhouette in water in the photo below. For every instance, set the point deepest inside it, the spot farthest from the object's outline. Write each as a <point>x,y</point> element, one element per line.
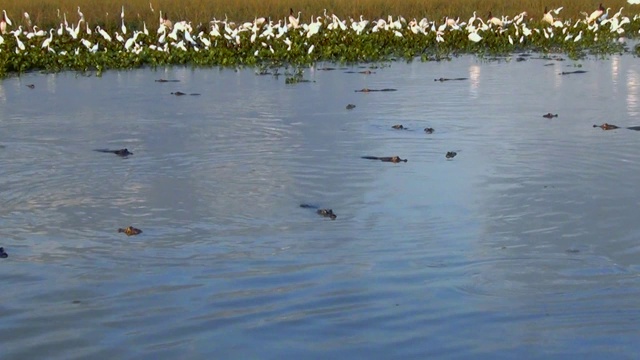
<point>180,93</point>
<point>451,154</point>
<point>351,106</point>
<point>3,254</point>
<point>121,152</point>
<point>572,72</point>
<point>322,212</point>
<point>393,159</point>
<point>372,90</point>
<point>31,86</point>
<point>365,72</point>
<point>165,80</point>
<point>399,127</point>
<point>447,79</point>
<point>130,230</point>
<point>606,126</point>
<point>549,115</point>
<point>429,130</point>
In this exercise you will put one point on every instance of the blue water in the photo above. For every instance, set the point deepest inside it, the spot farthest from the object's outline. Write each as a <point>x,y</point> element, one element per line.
<point>522,246</point>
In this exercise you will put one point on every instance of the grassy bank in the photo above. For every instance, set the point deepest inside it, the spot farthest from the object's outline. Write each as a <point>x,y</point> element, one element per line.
<point>106,13</point>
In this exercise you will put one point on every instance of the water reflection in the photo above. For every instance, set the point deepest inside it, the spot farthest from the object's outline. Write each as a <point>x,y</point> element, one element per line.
<point>474,79</point>
<point>632,82</point>
<point>528,228</point>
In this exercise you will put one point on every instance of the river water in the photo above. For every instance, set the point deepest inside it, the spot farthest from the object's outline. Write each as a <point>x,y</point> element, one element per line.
<point>525,245</point>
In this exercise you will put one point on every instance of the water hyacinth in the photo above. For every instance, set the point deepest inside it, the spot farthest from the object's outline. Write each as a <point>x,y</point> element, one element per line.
<point>75,45</point>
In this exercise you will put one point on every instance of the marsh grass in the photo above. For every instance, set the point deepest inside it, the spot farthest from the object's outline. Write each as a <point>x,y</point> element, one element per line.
<point>106,13</point>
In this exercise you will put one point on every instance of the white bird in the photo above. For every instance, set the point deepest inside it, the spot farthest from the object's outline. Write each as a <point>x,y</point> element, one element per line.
<point>314,27</point>
<point>48,40</point>
<point>20,44</point>
<point>494,20</point>
<point>86,43</point>
<point>310,49</point>
<point>547,17</point>
<point>474,36</point>
<point>579,37</point>
<point>124,28</point>
<point>472,19</point>
<point>604,16</point>
<point>596,14</point>
<point>104,34</point>
<point>80,14</point>
<point>5,22</point>
<point>295,22</point>
<point>28,19</point>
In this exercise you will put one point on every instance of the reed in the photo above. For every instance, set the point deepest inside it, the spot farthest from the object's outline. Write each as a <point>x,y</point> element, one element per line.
<point>106,13</point>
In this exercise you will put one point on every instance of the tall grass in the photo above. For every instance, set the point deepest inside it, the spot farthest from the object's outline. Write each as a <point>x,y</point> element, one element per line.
<point>107,12</point>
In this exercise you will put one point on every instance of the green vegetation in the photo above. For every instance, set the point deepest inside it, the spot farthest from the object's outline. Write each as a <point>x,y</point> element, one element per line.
<point>272,43</point>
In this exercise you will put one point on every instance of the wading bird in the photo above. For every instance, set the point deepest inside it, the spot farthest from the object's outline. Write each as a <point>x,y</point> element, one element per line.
<point>5,22</point>
<point>596,14</point>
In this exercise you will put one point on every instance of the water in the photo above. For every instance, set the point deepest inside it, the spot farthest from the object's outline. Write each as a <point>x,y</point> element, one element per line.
<point>522,246</point>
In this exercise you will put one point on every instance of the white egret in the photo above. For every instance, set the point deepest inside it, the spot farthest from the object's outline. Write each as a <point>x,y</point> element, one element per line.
<point>295,22</point>
<point>314,27</point>
<point>20,44</point>
<point>124,28</point>
<point>579,37</point>
<point>86,43</point>
<point>48,40</point>
<point>104,34</point>
<point>604,16</point>
<point>6,18</point>
<point>474,36</point>
<point>4,23</point>
<point>28,19</point>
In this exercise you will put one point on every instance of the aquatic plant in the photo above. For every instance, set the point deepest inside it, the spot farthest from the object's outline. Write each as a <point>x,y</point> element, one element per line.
<point>263,42</point>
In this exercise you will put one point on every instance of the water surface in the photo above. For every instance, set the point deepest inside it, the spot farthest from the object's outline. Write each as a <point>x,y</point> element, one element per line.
<point>522,246</point>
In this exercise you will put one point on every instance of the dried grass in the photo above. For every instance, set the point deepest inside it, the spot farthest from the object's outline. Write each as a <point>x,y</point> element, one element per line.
<point>107,12</point>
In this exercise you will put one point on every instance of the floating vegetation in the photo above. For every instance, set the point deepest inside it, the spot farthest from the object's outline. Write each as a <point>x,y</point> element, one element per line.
<point>288,41</point>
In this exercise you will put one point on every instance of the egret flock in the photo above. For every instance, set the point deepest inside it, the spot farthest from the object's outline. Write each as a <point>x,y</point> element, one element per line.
<point>75,44</point>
